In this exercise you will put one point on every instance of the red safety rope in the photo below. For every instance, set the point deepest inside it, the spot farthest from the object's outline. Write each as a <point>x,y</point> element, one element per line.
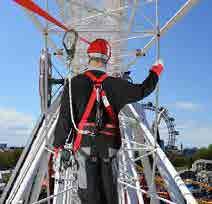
<point>31,6</point>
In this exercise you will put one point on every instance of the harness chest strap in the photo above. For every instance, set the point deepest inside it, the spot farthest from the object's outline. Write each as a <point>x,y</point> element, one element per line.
<point>91,102</point>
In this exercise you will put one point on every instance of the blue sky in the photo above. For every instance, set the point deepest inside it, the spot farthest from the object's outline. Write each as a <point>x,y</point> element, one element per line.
<point>185,86</point>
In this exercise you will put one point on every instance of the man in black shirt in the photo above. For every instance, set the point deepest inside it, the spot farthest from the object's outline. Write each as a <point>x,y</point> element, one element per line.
<point>97,100</point>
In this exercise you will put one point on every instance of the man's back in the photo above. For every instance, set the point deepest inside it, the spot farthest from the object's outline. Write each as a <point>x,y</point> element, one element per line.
<point>118,91</point>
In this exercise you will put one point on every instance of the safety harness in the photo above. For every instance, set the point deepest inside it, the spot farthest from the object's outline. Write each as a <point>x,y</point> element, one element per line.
<point>97,96</point>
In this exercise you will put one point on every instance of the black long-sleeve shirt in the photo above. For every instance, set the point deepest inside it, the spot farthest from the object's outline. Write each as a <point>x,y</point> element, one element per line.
<point>119,93</point>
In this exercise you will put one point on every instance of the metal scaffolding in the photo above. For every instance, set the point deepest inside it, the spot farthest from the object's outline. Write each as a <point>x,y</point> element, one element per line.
<point>113,20</point>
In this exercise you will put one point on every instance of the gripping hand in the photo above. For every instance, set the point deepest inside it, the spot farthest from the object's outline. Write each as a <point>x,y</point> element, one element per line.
<point>157,68</point>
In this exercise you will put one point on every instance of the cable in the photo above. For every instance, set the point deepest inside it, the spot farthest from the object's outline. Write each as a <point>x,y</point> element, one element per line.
<point>70,48</point>
<point>85,132</point>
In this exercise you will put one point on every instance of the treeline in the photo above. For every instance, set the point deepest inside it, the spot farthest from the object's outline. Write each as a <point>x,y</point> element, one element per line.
<point>183,161</point>
<point>8,159</point>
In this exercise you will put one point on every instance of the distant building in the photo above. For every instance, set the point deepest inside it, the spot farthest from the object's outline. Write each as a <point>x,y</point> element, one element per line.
<point>3,146</point>
<point>202,164</point>
<point>14,148</point>
<point>187,174</point>
<point>189,152</point>
<point>2,182</point>
<point>201,171</point>
<point>203,168</point>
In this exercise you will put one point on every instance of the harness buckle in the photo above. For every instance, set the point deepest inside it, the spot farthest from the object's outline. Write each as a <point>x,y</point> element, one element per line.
<point>98,85</point>
<point>92,134</point>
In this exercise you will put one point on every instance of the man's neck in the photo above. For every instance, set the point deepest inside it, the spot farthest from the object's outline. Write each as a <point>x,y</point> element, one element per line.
<point>99,68</point>
<point>94,66</point>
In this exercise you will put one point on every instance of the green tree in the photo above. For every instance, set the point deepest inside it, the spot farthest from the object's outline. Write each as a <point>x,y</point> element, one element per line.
<point>179,161</point>
<point>8,159</point>
<point>204,153</point>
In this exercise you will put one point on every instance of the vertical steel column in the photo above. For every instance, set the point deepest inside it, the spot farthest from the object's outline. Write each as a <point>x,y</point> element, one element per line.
<point>47,92</point>
<point>157,30</point>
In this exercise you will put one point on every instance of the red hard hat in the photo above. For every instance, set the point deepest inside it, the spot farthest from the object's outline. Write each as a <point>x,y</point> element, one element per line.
<point>99,48</point>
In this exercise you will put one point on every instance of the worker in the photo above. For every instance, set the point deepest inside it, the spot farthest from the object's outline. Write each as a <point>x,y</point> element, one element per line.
<point>97,100</point>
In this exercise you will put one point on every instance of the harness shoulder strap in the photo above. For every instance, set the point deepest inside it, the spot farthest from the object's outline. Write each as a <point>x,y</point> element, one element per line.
<point>94,79</point>
<point>103,96</point>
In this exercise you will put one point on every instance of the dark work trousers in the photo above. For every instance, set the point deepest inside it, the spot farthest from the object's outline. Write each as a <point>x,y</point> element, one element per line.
<point>97,180</point>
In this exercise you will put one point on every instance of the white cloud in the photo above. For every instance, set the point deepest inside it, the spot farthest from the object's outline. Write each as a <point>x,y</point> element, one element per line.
<point>15,127</point>
<point>188,106</point>
<point>194,133</point>
<point>197,136</point>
